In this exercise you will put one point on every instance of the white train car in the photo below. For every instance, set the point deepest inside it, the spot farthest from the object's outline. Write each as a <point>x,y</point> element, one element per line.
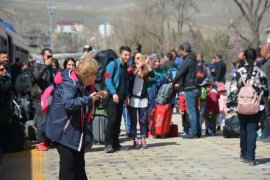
<point>13,44</point>
<point>3,39</point>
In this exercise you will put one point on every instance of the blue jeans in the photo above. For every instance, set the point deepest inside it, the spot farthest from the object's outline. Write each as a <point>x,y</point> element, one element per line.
<point>193,111</point>
<point>126,118</point>
<point>248,134</point>
<point>39,121</point>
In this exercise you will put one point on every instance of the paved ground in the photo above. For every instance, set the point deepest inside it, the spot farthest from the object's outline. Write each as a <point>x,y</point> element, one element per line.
<point>171,158</point>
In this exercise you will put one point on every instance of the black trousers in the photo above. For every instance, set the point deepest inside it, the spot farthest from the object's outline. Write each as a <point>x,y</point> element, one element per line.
<point>71,163</point>
<point>112,131</point>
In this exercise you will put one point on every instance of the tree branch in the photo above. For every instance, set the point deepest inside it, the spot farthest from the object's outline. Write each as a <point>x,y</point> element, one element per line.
<point>244,13</point>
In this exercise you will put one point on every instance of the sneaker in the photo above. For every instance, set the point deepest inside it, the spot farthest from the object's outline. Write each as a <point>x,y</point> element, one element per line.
<point>136,144</point>
<point>41,147</point>
<point>144,145</point>
<point>251,162</point>
<point>243,159</point>
<point>117,147</point>
<point>108,149</point>
<point>183,133</point>
<point>189,136</point>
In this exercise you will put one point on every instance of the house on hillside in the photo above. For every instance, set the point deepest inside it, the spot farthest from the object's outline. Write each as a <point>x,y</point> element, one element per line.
<point>69,27</point>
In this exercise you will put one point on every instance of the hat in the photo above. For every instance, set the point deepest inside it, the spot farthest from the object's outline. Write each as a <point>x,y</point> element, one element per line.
<point>185,46</point>
<point>205,82</point>
<point>221,87</point>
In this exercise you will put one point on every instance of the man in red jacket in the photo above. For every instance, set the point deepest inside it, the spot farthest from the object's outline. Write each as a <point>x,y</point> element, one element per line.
<point>212,108</point>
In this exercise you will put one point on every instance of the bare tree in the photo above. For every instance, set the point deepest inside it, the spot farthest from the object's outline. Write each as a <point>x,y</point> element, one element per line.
<point>253,12</point>
<point>180,7</point>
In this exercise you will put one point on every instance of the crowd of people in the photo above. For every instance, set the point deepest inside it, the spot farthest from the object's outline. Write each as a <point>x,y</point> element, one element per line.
<point>128,80</point>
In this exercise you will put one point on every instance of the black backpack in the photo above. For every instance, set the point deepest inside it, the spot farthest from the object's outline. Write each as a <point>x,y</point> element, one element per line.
<point>24,81</point>
<point>231,129</point>
<point>104,58</point>
<point>165,94</point>
<point>201,73</point>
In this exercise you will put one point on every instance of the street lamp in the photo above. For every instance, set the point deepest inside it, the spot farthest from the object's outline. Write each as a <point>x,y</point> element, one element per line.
<point>51,11</point>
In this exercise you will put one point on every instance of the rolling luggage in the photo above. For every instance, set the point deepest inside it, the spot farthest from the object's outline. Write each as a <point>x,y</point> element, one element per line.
<point>160,120</point>
<point>99,124</point>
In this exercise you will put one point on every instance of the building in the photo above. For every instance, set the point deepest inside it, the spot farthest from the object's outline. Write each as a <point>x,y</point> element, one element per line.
<point>69,27</point>
<point>105,29</point>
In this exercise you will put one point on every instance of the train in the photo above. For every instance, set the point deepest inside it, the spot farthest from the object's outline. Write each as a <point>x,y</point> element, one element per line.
<point>13,44</point>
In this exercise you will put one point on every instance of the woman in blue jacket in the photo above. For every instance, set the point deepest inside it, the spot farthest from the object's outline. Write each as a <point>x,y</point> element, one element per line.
<point>66,118</point>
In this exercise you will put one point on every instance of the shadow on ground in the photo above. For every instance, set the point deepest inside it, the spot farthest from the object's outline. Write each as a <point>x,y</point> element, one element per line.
<point>263,161</point>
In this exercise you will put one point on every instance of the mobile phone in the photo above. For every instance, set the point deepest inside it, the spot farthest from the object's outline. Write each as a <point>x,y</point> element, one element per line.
<point>102,94</point>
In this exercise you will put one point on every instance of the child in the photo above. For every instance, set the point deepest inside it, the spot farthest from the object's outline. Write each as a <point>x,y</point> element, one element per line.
<point>222,92</point>
<point>184,114</point>
<point>211,109</point>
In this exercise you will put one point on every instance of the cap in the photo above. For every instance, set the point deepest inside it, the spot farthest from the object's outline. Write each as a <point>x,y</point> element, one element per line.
<point>206,82</point>
<point>185,46</point>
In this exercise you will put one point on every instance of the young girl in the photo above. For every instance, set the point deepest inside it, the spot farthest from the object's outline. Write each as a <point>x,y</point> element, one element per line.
<point>222,92</point>
<point>138,99</point>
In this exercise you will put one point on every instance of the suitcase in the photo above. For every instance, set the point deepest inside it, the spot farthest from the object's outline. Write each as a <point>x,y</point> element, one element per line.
<point>99,124</point>
<point>160,120</point>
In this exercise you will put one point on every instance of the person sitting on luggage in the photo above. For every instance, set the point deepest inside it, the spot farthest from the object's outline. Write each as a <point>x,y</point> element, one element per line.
<point>7,93</point>
<point>249,73</point>
<point>67,117</point>
<point>211,109</point>
<point>138,99</point>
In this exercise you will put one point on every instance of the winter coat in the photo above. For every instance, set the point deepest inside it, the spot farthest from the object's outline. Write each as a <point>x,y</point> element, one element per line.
<point>212,102</point>
<point>65,122</point>
<point>43,77</point>
<point>187,73</point>
<point>260,84</point>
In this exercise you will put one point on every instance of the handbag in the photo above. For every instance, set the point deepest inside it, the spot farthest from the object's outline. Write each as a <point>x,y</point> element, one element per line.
<point>173,130</point>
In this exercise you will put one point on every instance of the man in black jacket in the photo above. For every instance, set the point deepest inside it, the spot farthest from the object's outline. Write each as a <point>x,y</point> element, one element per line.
<point>187,74</point>
<point>43,78</point>
<point>220,69</point>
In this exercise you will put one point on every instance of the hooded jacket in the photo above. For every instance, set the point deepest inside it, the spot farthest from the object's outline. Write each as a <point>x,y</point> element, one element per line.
<point>65,121</point>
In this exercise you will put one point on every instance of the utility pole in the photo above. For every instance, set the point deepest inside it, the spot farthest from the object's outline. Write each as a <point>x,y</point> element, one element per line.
<point>51,11</point>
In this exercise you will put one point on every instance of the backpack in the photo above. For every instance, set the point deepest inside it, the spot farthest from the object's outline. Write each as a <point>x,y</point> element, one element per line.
<point>201,73</point>
<point>46,97</point>
<point>164,94</point>
<point>248,100</point>
<point>172,73</point>
<point>103,58</point>
<point>24,81</point>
